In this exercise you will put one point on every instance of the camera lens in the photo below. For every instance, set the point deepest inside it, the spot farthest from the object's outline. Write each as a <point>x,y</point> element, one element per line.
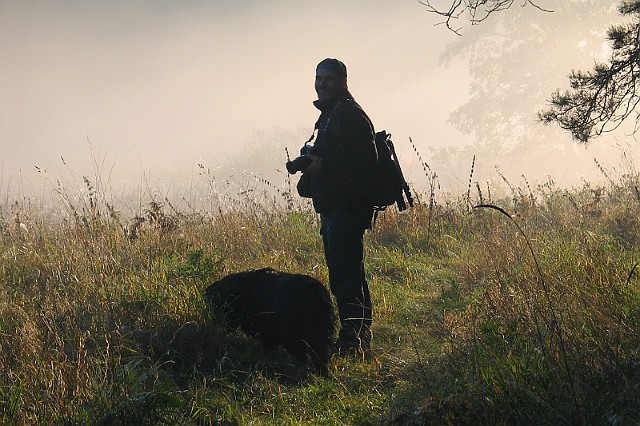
<point>298,164</point>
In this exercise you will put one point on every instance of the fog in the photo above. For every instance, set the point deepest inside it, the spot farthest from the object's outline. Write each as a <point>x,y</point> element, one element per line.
<point>160,91</point>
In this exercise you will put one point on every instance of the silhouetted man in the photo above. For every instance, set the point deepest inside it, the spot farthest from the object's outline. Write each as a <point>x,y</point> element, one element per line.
<point>343,157</point>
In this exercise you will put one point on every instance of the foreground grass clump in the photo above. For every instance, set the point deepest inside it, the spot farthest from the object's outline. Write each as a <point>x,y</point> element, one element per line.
<point>542,311</point>
<point>525,310</point>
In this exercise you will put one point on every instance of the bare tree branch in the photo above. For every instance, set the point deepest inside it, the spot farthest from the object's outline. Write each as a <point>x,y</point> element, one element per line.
<point>477,10</point>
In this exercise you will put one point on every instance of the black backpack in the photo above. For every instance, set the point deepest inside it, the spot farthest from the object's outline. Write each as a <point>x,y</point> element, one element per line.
<point>387,186</point>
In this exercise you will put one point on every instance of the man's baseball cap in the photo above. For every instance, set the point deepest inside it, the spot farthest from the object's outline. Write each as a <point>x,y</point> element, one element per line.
<point>334,65</point>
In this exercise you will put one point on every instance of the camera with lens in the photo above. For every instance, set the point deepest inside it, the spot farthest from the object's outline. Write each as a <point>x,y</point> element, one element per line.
<point>300,163</point>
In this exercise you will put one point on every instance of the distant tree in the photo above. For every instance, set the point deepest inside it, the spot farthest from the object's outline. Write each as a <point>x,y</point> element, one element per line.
<point>599,100</point>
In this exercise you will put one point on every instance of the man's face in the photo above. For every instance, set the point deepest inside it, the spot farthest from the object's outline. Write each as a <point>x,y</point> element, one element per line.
<point>329,84</point>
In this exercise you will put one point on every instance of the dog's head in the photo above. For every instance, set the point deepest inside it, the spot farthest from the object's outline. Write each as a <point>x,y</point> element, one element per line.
<point>234,296</point>
<point>222,292</point>
<point>231,289</point>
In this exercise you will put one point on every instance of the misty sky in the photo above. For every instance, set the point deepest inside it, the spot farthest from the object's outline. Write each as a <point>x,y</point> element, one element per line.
<point>161,86</point>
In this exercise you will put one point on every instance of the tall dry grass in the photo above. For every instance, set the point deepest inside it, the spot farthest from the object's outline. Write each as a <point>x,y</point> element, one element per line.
<point>524,311</point>
<point>542,310</point>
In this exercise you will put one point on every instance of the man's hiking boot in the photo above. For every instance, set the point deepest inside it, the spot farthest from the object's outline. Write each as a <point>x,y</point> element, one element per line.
<point>351,344</point>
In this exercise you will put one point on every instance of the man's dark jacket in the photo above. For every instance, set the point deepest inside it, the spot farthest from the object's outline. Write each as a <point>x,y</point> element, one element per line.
<point>346,144</point>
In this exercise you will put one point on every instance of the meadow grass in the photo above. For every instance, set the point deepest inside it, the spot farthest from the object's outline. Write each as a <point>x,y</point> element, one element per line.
<point>524,311</point>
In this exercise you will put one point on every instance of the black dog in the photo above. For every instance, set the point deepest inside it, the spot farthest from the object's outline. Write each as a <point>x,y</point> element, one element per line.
<point>279,308</point>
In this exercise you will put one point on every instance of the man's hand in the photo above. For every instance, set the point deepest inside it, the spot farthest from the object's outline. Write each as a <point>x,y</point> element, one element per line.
<point>315,166</point>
